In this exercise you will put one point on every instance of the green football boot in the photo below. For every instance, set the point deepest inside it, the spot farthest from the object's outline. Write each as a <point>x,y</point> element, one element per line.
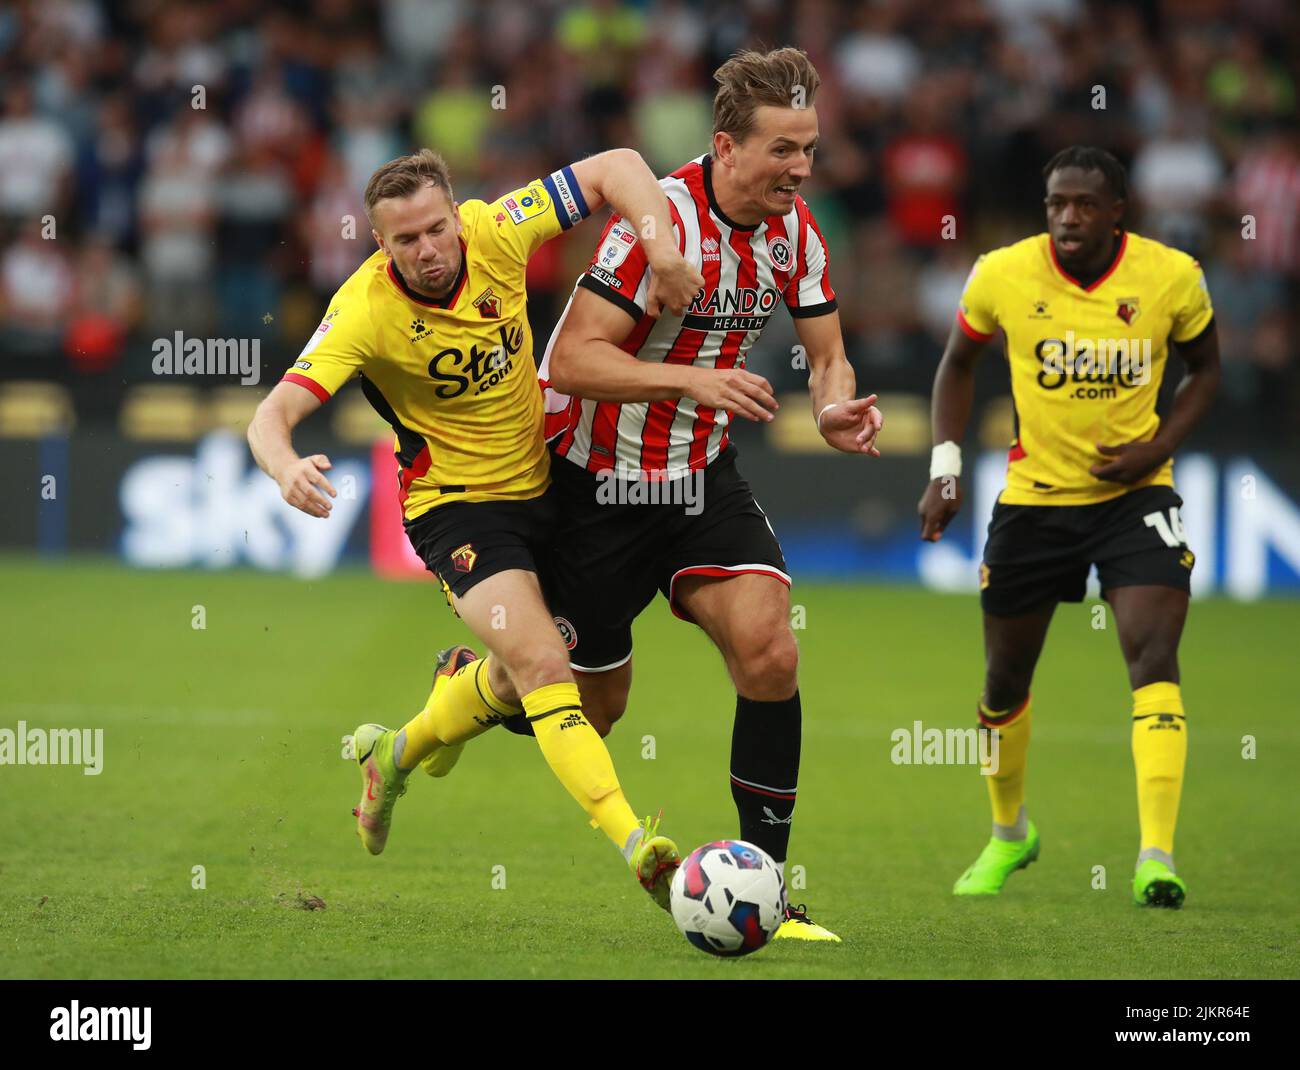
<point>1156,885</point>
<point>998,860</point>
<point>654,862</point>
<point>382,783</point>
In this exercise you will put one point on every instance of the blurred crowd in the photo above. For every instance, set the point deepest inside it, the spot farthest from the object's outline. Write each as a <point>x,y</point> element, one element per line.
<point>177,165</point>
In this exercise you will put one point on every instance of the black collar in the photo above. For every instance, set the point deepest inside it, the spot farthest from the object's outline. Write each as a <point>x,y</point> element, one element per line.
<point>713,201</point>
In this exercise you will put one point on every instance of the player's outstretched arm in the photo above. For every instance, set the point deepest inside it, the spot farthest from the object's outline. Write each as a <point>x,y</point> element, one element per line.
<point>1130,461</point>
<point>622,178</point>
<point>950,405</point>
<point>847,423</point>
<point>270,438</point>
<point>586,359</point>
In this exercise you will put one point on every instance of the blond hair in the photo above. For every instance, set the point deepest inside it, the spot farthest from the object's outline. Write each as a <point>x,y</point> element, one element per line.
<point>406,175</point>
<point>783,78</point>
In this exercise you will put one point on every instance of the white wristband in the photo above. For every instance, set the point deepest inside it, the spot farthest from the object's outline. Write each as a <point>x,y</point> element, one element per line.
<point>823,413</point>
<point>945,460</point>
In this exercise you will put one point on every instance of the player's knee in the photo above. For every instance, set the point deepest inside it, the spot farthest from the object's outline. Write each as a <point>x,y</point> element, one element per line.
<point>614,711</point>
<point>602,717</point>
<point>1005,690</point>
<point>603,707</point>
<point>765,666</point>
<point>535,668</point>
<point>1153,664</point>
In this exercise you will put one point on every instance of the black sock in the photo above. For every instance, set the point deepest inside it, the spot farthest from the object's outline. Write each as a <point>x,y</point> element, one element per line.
<point>765,770</point>
<point>518,725</point>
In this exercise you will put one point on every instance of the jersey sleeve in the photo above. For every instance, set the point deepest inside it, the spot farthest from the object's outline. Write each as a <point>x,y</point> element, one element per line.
<point>527,217</point>
<point>334,353</point>
<point>1192,310</point>
<point>977,310</point>
<point>619,270</point>
<point>809,292</point>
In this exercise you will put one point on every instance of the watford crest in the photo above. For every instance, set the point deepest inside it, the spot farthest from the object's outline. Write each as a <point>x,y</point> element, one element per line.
<point>1127,309</point>
<point>464,557</point>
<point>489,307</point>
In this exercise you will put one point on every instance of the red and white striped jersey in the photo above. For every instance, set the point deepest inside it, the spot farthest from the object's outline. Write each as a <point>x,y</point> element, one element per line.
<point>1268,187</point>
<point>748,271</point>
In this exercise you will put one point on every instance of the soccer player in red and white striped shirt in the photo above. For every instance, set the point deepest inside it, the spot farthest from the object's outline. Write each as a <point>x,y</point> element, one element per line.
<point>638,406</point>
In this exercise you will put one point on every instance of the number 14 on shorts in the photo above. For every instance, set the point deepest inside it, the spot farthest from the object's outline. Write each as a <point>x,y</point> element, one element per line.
<point>1171,530</point>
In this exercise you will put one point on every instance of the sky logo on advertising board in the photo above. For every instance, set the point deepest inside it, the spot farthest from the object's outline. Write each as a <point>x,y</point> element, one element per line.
<point>215,510</point>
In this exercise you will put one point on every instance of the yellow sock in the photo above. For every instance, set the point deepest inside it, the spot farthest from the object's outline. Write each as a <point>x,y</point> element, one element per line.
<point>577,755</point>
<point>1007,785</point>
<point>461,707</point>
<point>1160,756</point>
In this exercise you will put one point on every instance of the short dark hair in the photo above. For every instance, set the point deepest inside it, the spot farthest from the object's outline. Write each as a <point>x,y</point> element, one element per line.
<point>1088,158</point>
<point>407,175</point>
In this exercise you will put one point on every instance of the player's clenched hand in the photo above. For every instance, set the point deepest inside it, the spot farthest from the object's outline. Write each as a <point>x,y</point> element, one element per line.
<point>852,426</point>
<point>1131,461</point>
<point>938,505</point>
<point>674,282</point>
<point>735,390</point>
<point>299,480</point>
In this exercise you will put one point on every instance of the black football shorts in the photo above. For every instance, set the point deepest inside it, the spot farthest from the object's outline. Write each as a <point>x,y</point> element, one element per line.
<point>1038,555</point>
<point>611,553</point>
<point>463,543</point>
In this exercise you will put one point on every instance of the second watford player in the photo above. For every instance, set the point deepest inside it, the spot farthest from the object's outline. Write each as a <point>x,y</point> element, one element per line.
<point>1089,312</point>
<point>435,325</point>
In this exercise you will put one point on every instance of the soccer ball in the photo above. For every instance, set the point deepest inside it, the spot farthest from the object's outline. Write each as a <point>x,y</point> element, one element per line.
<point>728,898</point>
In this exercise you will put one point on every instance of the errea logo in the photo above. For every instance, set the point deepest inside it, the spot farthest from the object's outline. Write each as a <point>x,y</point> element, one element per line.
<point>76,1022</point>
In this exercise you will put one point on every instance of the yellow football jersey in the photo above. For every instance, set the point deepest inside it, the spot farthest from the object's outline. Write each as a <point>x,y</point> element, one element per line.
<point>1086,362</point>
<point>455,378</point>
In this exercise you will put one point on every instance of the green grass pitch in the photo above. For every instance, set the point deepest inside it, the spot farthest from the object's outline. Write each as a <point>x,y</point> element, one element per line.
<point>222,751</point>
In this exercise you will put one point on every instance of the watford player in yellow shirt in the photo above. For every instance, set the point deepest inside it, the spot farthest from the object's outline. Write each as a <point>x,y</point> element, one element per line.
<point>435,325</point>
<point>1089,312</point>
